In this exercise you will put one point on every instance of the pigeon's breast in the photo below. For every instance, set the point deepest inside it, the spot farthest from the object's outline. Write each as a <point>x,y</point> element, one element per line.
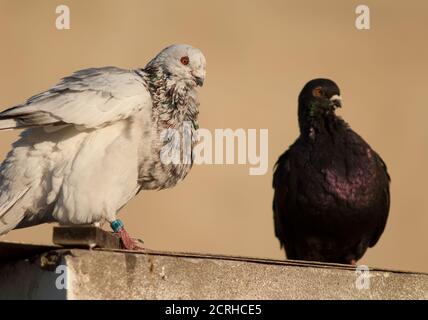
<point>354,189</point>
<point>351,180</point>
<point>170,157</point>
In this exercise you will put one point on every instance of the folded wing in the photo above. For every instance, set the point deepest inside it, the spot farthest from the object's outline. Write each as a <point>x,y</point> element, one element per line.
<point>90,98</point>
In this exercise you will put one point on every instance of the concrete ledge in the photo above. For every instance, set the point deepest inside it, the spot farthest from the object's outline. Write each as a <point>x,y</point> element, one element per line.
<point>109,274</point>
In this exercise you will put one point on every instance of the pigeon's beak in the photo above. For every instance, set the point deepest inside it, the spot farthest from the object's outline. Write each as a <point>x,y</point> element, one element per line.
<point>199,77</point>
<point>336,101</point>
<point>199,81</point>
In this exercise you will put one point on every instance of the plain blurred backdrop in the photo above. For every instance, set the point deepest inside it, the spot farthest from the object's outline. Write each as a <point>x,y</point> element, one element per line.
<point>259,55</point>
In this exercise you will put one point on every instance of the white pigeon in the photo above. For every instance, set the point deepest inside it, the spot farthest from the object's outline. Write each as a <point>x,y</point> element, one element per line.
<point>94,140</point>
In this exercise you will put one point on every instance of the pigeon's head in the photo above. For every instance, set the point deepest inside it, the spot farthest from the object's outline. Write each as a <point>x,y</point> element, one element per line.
<point>181,62</point>
<point>319,97</point>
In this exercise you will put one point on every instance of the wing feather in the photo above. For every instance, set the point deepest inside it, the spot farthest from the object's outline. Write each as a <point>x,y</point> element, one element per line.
<point>90,98</point>
<point>281,184</point>
<point>385,203</point>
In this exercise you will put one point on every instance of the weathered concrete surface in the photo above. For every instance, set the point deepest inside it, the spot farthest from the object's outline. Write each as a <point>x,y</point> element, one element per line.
<point>31,279</point>
<point>123,275</point>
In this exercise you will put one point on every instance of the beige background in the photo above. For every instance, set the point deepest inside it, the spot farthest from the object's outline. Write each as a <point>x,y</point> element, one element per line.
<point>260,54</point>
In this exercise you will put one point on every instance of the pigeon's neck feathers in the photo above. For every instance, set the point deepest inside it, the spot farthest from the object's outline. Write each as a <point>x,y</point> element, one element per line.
<point>315,122</point>
<point>174,100</point>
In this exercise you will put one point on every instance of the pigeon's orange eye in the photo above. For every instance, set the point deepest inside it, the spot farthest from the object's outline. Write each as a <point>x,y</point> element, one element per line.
<point>185,60</point>
<point>318,92</point>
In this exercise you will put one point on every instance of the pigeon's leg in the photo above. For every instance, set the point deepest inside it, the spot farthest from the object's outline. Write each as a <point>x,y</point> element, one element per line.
<point>128,243</point>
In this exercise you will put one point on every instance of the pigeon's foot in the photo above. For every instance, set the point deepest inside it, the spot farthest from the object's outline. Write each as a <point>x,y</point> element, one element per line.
<point>128,243</point>
<point>353,262</point>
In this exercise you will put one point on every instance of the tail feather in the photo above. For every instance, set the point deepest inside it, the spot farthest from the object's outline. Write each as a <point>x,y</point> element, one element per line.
<point>11,215</point>
<point>8,124</point>
<point>24,117</point>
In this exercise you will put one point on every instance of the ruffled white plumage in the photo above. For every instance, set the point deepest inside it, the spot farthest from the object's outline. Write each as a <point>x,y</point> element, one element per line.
<point>100,115</point>
<point>94,140</point>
